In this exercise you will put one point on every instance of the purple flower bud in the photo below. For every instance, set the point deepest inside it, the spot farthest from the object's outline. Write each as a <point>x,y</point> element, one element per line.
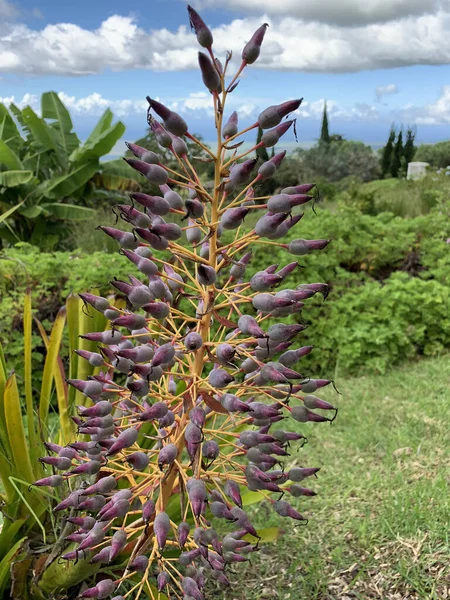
<point>232,403</point>
<point>221,511</point>
<point>248,326</point>
<point>253,438</point>
<point>183,533</point>
<point>156,204</point>
<point>242,519</point>
<point>158,310</point>
<point>172,120</point>
<point>233,492</point>
<point>311,385</point>
<point>58,462</point>
<point>93,504</point>
<point>94,537</point>
<point>252,49</point>
<point>102,557</point>
<point>156,241</point>
<point>52,481</point>
<point>267,224</point>
<point>85,523</point>
<point>167,455</point>
<point>72,500</point>
<point>187,557</point>
<point>297,491</point>
<point>194,208</point>
<point>313,402</point>
<point>301,247</point>
<point>103,589</point>
<point>206,275</point>
<point>303,188</point>
<point>118,542</point>
<point>103,486</point>
<point>91,467</point>
<point>162,580</point>
<point>130,321</point>
<point>271,137</point>
<point>197,496</point>
<point>193,341</point>
<point>231,126</point>
<point>126,439</point>
<point>262,281</point>
<point>190,588</point>
<point>154,173</point>
<point>210,450</point>
<point>170,231</point>
<point>156,411</point>
<point>234,217</point>
<point>125,238</point>
<point>210,76</point>
<point>90,389</point>
<point>134,216</point>
<point>138,460</point>
<point>144,154</point>
<point>161,527</point>
<point>268,168</point>
<point>204,35</point>
<point>303,415</point>
<point>98,302</point>
<point>290,357</point>
<point>300,473</point>
<point>173,198</point>
<point>197,416</point>
<point>240,174</point>
<point>139,564</point>
<point>162,136</point>
<point>280,332</point>
<point>115,510</point>
<point>284,509</point>
<point>219,378</point>
<point>179,146</point>
<point>267,302</point>
<point>192,437</point>
<point>225,353</point>
<point>283,203</point>
<point>272,116</point>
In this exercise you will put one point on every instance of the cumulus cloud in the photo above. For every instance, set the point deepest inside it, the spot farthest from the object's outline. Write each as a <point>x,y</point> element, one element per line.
<point>344,12</point>
<point>292,44</point>
<point>385,90</point>
<point>435,113</point>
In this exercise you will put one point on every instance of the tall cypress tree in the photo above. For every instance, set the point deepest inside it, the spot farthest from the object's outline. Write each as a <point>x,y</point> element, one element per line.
<point>386,156</point>
<point>325,133</point>
<point>397,155</point>
<point>409,148</point>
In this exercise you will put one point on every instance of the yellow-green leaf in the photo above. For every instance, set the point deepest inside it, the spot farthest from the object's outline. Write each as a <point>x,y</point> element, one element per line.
<point>269,534</point>
<point>50,365</point>
<point>16,431</point>
<point>252,498</point>
<point>27,336</point>
<point>5,564</point>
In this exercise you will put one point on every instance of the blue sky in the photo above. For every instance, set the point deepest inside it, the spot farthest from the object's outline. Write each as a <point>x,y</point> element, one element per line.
<point>375,61</point>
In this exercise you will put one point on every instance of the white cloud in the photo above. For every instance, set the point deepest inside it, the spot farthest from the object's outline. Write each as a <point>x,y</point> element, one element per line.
<point>342,12</point>
<point>436,113</point>
<point>290,44</point>
<point>314,110</point>
<point>27,99</point>
<point>385,90</point>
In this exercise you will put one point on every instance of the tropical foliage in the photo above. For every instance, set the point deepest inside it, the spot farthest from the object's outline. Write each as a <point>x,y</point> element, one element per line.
<point>48,178</point>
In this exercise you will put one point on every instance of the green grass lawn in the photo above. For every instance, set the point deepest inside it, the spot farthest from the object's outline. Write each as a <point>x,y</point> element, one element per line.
<point>379,527</point>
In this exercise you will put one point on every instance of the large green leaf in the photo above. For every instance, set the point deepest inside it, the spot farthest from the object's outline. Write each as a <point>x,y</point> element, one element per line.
<point>9,212</point>
<point>40,131</point>
<point>100,144</point>
<point>8,129</point>
<point>69,212</point>
<point>65,185</point>
<point>53,108</point>
<point>8,157</point>
<point>13,178</point>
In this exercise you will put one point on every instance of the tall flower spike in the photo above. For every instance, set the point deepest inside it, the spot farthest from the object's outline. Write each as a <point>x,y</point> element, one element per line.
<point>189,361</point>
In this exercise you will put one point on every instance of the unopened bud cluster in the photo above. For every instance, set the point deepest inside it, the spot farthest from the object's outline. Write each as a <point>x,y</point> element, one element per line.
<point>191,378</point>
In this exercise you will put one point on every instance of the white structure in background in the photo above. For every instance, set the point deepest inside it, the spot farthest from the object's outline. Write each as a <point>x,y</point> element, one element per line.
<point>417,170</point>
